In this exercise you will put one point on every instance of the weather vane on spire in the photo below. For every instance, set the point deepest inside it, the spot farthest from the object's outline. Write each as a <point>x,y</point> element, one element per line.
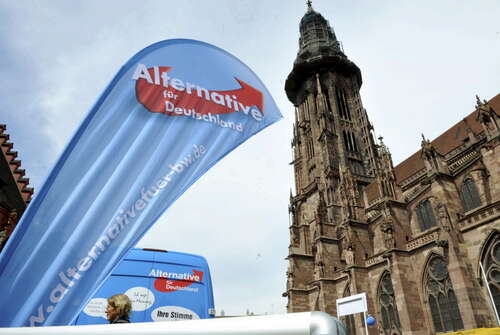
<point>309,5</point>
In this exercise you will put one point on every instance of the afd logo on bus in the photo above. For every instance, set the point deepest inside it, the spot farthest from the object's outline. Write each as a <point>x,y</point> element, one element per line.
<point>160,93</point>
<point>173,281</point>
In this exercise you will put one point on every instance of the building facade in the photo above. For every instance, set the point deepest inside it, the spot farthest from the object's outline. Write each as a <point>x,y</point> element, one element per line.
<point>15,193</point>
<point>412,236</point>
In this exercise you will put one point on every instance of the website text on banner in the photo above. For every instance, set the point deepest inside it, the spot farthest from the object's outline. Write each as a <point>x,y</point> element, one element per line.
<point>172,111</point>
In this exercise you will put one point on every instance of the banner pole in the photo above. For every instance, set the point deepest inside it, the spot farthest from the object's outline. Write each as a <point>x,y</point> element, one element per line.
<point>366,325</point>
<point>489,292</point>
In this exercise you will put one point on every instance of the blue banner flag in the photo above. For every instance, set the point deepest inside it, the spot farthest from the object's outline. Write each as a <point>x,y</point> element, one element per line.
<point>173,110</point>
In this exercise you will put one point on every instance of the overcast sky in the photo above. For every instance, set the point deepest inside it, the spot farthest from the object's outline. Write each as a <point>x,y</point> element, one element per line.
<point>422,64</point>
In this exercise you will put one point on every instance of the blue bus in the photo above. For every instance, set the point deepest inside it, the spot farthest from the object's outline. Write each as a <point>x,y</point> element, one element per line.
<point>162,285</point>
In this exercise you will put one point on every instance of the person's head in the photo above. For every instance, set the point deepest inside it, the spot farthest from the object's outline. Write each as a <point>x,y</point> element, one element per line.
<point>119,305</point>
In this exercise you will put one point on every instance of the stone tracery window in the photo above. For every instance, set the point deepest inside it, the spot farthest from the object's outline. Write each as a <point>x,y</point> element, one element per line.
<point>491,265</point>
<point>310,149</point>
<point>344,111</point>
<point>469,195</point>
<point>387,304</point>
<point>350,141</point>
<point>441,297</point>
<point>425,215</point>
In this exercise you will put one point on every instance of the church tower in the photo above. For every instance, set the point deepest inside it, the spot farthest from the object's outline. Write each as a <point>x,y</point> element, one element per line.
<point>335,158</point>
<point>413,237</point>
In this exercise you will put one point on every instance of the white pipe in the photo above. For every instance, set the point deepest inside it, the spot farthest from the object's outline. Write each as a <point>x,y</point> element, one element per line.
<point>310,323</point>
<point>489,291</point>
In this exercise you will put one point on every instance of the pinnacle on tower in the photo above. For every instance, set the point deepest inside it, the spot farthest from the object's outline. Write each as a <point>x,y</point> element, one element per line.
<point>309,6</point>
<point>318,84</point>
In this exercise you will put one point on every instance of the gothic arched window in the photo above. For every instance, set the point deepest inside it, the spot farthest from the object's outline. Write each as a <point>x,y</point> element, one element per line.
<point>343,106</point>
<point>310,149</point>
<point>346,141</point>
<point>441,297</point>
<point>491,266</point>
<point>350,141</point>
<point>387,304</point>
<point>354,142</point>
<point>469,195</point>
<point>386,189</point>
<point>425,215</point>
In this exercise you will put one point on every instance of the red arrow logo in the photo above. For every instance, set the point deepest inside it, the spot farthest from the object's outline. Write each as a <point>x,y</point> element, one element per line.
<point>170,285</point>
<point>159,93</point>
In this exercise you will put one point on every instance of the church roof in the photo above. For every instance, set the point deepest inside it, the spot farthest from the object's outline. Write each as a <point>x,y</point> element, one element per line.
<point>444,143</point>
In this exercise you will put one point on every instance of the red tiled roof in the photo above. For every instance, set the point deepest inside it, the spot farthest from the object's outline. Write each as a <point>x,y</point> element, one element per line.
<point>15,165</point>
<point>444,143</point>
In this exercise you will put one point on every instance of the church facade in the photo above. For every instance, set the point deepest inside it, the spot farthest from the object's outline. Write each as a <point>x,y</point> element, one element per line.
<point>422,238</point>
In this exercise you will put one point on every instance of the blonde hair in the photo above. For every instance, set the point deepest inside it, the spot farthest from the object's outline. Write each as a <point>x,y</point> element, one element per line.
<point>122,304</point>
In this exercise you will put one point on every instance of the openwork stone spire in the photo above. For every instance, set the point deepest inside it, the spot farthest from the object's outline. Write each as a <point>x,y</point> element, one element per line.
<point>316,36</point>
<point>318,49</point>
